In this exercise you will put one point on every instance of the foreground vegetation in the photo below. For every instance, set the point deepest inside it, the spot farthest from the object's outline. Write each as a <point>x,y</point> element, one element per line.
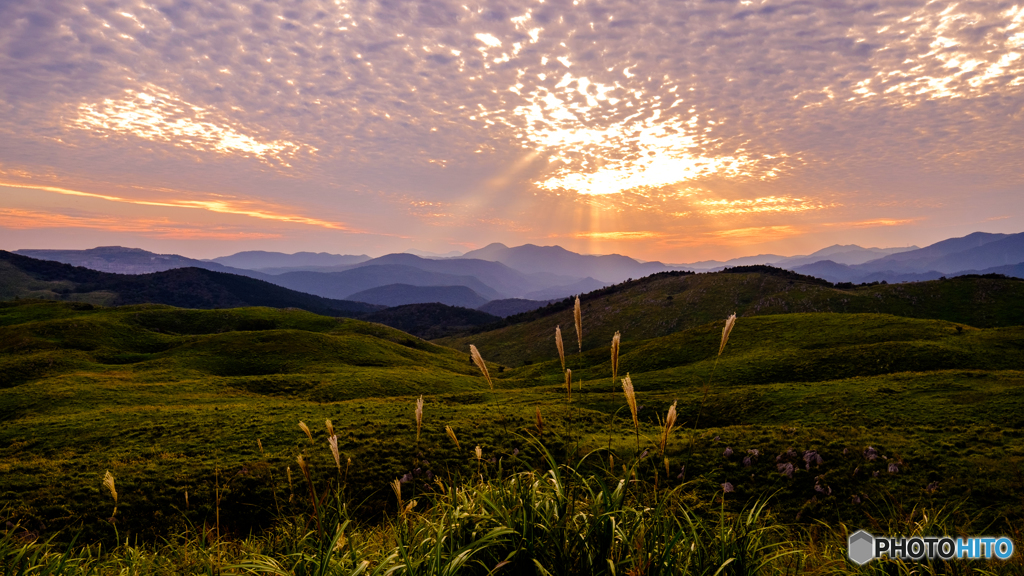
<point>813,423</point>
<point>522,521</point>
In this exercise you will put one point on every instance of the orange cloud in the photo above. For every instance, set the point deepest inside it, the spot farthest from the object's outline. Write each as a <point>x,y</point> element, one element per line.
<point>219,206</point>
<point>874,223</point>
<point>157,228</point>
<point>639,235</point>
<point>771,232</point>
<point>766,205</point>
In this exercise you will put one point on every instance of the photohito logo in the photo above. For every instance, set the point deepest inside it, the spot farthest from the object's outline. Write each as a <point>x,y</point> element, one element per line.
<point>862,547</point>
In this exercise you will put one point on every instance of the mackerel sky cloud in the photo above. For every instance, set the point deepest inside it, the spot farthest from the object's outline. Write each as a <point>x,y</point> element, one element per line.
<point>676,131</point>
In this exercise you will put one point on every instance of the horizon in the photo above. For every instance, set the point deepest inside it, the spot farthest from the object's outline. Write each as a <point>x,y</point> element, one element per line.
<point>430,255</point>
<point>677,134</point>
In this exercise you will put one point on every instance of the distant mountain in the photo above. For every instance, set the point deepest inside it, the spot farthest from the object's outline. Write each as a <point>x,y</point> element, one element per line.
<point>716,265</point>
<point>425,254</point>
<point>430,321</point>
<point>401,294</point>
<point>505,281</point>
<point>943,254</point>
<point>343,285</point>
<point>258,260</point>
<point>21,276</point>
<point>840,254</point>
<point>121,260</point>
<point>529,258</point>
<point>977,253</point>
<point>512,306</point>
<point>559,292</point>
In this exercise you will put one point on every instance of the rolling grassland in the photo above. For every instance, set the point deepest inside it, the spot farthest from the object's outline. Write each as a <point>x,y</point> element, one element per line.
<point>806,425</point>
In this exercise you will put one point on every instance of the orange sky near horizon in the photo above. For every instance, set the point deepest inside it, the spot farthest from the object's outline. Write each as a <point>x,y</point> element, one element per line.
<point>672,132</point>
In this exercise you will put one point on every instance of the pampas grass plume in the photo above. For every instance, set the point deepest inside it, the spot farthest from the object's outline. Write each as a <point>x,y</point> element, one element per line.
<point>330,428</point>
<point>108,483</point>
<point>396,486</point>
<point>578,316</point>
<point>419,417</point>
<point>729,323</point>
<point>627,388</point>
<point>615,355</point>
<point>559,345</point>
<point>333,441</point>
<point>479,453</point>
<point>568,382</point>
<point>451,434</point>
<point>306,430</point>
<point>479,361</point>
<point>670,422</point>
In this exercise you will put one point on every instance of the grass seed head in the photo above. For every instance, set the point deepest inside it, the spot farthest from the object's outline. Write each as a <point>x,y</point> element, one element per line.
<point>729,323</point>
<point>330,428</point>
<point>559,345</point>
<point>479,361</point>
<point>303,466</point>
<point>578,316</point>
<point>627,388</point>
<point>306,430</point>
<point>670,422</point>
<point>451,434</point>
<point>479,453</point>
<point>396,486</point>
<point>260,444</point>
<point>568,382</point>
<point>539,420</point>
<point>333,441</point>
<point>108,483</point>
<point>419,417</point>
<point>615,355</point>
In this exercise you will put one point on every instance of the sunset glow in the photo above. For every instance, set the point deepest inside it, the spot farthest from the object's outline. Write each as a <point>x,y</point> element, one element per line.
<point>671,132</point>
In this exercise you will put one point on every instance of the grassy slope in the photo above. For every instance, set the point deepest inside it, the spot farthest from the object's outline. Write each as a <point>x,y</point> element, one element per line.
<point>664,304</point>
<point>163,398</point>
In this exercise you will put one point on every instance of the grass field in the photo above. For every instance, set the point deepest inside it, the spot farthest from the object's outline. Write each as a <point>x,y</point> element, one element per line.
<point>664,304</point>
<point>904,414</point>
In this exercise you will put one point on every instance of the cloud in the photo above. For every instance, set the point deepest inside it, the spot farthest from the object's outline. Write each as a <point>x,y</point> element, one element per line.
<point>775,108</point>
<point>219,205</point>
<point>16,219</point>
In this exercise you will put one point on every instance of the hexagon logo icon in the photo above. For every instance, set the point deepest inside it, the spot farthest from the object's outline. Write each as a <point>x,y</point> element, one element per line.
<point>860,547</point>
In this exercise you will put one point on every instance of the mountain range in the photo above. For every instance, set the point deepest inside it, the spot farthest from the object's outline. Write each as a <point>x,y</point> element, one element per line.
<point>533,275</point>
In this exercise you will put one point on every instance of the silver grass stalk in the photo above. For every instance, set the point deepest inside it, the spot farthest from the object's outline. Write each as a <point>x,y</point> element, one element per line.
<point>670,422</point>
<point>330,428</point>
<point>568,382</point>
<point>451,434</point>
<point>559,345</point>
<point>729,323</point>
<point>305,429</point>
<point>396,486</point>
<point>627,388</point>
<point>419,417</point>
<point>615,355</point>
<point>479,361</point>
<point>108,483</point>
<point>578,316</point>
<point>333,441</point>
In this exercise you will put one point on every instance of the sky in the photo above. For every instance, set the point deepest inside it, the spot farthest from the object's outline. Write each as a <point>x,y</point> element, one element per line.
<point>675,131</point>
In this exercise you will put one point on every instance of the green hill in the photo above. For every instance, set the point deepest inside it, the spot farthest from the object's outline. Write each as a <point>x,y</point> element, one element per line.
<point>173,400</point>
<point>669,302</point>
